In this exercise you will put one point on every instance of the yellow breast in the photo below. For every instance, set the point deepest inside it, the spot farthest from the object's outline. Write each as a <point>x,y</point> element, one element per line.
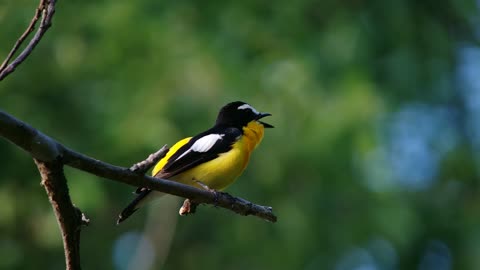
<point>254,134</point>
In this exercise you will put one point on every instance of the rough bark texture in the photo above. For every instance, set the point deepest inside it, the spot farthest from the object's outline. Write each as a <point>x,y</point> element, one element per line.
<point>70,219</point>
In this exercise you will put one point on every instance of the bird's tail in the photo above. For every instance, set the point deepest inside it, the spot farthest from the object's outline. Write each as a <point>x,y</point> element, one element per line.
<point>140,200</point>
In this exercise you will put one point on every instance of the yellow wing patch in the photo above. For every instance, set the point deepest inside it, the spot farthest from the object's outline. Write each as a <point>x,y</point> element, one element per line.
<point>170,153</point>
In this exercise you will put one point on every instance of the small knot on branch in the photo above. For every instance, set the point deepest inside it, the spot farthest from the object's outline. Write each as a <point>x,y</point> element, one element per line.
<point>84,221</point>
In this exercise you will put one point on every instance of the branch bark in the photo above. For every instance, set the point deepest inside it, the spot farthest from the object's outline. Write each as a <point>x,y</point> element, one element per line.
<point>69,218</point>
<point>47,9</point>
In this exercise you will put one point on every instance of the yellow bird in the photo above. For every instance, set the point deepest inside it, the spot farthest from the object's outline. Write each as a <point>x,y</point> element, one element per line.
<point>214,158</point>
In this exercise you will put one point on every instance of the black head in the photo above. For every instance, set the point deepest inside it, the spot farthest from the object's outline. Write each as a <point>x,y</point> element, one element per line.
<point>239,114</point>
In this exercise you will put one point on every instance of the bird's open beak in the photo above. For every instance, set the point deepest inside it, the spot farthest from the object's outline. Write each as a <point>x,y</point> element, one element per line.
<point>262,115</point>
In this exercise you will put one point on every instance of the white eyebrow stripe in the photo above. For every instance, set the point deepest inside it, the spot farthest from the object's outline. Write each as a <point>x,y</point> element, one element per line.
<point>203,144</point>
<point>247,107</point>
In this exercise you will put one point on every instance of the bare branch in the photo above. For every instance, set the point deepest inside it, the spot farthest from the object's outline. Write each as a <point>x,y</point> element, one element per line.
<point>124,175</point>
<point>25,34</point>
<point>29,139</point>
<point>24,136</point>
<point>69,218</point>
<point>47,9</point>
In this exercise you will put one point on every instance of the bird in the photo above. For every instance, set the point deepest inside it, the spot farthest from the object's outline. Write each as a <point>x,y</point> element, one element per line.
<point>213,159</point>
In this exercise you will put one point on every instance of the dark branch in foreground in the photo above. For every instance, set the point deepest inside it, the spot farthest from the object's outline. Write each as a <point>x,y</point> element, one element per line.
<point>47,9</point>
<point>45,148</point>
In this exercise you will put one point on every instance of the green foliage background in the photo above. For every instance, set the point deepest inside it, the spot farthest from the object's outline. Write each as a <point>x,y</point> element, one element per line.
<point>373,163</point>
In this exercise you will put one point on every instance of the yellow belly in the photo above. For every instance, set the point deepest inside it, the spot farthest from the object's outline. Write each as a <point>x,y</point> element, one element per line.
<point>219,172</point>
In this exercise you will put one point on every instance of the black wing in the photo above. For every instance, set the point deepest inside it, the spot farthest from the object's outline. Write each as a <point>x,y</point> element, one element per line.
<point>190,155</point>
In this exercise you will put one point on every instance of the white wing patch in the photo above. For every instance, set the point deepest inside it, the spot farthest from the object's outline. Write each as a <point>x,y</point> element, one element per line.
<point>247,107</point>
<point>203,144</point>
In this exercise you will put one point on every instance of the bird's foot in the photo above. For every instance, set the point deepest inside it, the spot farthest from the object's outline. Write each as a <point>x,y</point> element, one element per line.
<point>188,207</point>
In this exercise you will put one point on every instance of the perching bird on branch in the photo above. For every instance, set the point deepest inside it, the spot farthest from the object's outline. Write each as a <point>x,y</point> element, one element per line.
<point>214,158</point>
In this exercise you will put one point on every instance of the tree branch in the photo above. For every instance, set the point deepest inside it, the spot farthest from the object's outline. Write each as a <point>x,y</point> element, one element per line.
<point>69,218</point>
<point>124,175</point>
<point>47,9</point>
<point>50,157</point>
<point>40,145</point>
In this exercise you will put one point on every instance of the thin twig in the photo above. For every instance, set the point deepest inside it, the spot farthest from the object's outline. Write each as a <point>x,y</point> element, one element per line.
<point>47,8</point>
<point>25,34</point>
<point>143,166</point>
